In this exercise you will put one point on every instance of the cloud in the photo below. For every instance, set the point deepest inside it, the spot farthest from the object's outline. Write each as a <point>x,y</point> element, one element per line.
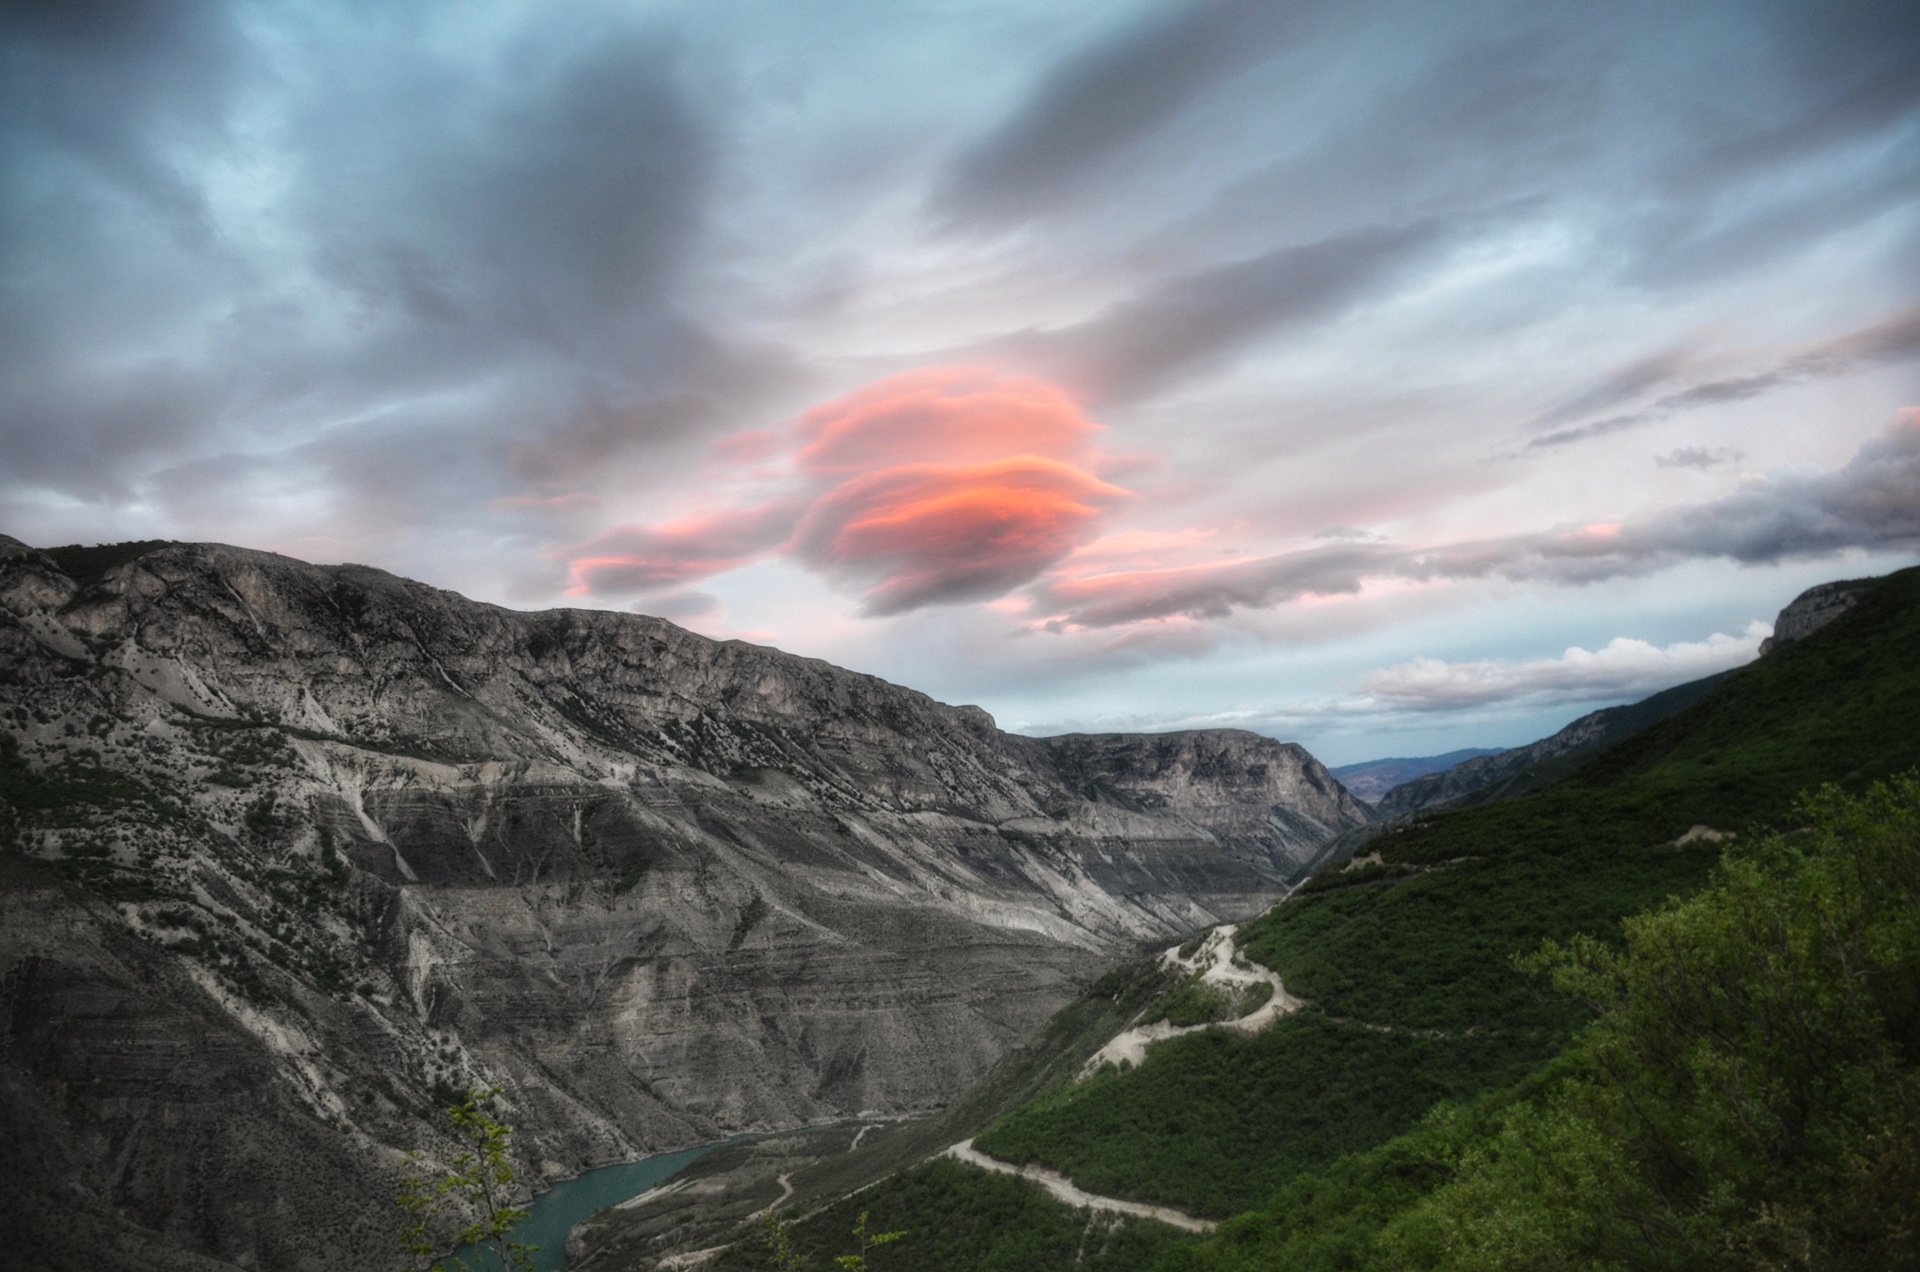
<point>641,558</point>
<point>1623,668</point>
<point>936,486</point>
<point>1893,339</point>
<point>1697,457</point>
<point>942,414</point>
<point>1871,503</point>
<point>944,533</point>
<point>1619,385</point>
<point>1190,320</point>
<point>1102,99</point>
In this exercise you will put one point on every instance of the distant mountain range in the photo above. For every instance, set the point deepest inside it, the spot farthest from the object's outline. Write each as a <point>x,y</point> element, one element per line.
<point>1370,779</point>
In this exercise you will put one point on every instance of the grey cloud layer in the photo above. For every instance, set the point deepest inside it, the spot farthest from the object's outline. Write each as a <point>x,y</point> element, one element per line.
<point>1185,323</point>
<point>375,273</point>
<point>385,271</point>
<point>1896,339</point>
<point>1871,503</point>
<point>1120,89</point>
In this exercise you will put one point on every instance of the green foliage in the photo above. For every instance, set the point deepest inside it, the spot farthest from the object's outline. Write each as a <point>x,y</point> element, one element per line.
<point>1213,1122</point>
<point>1256,996</point>
<point>1750,1094</point>
<point>750,915</point>
<point>630,875</point>
<point>1336,1220</point>
<point>1423,947</point>
<point>72,792</point>
<point>965,1220</point>
<point>1432,948</point>
<point>1192,1002</point>
<point>857,1261</point>
<point>477,1178</point>
<point>778,1235</point>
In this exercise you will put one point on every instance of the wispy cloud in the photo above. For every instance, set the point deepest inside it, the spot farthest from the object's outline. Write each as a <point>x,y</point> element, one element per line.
<point>1697,457</point>
<point>1893,339</point>
<point>1096,102</point>
<point>1872,503</point>
<point>1188,322</point>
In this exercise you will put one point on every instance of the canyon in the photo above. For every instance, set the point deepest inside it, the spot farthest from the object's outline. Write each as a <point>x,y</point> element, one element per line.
<point>293,852</point>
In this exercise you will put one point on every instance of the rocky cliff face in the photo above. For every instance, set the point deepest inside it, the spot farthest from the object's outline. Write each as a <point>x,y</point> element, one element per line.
<point>1814,608</point>
<point>294,850</point>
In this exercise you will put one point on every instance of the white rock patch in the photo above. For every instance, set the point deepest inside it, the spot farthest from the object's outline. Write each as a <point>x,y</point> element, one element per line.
<point>1215,960</point>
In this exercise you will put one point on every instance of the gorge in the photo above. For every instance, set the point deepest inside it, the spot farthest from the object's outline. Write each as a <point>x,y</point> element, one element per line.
<point>294,851</point>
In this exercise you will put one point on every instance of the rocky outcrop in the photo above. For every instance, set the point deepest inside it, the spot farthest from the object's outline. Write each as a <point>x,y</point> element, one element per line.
<point>341,843</point>
<point>1269,802</point>
<point>1814,608</point>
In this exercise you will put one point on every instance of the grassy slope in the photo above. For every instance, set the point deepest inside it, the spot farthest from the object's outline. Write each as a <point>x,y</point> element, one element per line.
<point>1424,942</point>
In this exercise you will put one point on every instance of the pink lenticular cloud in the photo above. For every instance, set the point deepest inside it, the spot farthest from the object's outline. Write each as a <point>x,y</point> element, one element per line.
<point>944,415</point>
<point>937,486</point>
<point>940,533</point>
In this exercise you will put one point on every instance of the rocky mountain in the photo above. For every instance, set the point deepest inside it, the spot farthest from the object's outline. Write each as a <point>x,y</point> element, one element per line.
<point>1522,768</point>
<point>1814,608</point>
<point>293,851</point>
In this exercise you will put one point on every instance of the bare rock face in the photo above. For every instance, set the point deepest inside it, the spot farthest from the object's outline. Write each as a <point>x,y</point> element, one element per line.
<point>1814,608</point>
<point>294,851</point>
<point>1269,801</point>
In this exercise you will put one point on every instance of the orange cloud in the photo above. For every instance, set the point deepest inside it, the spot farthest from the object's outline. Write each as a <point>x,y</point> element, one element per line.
<point>944,415</point>
<point>941,485</point>
<point>928,533</point>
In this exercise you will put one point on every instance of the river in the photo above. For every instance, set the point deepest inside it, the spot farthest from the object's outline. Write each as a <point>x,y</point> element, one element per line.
<point>571,1200</point>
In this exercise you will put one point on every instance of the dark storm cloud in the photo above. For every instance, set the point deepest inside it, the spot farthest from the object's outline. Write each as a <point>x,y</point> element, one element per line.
<point>1100,100</point>
<point>1189,321</point>
<point>1872,503</point>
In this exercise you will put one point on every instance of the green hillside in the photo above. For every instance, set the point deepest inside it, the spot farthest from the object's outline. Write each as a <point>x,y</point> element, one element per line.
<point>1323,1128</point>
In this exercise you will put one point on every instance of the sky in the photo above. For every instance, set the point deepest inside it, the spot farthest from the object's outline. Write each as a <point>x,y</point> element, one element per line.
<point>1388,377</point>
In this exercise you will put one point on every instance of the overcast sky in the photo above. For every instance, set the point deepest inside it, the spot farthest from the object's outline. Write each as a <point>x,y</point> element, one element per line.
<point>1391,377</point>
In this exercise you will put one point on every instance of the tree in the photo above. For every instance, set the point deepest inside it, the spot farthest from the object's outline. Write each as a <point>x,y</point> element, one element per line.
<point>779,1239</point>
<point>1749,1096</point>
<point>858,1262</point>
<point>782,1255</point>
<point>477,1177</point>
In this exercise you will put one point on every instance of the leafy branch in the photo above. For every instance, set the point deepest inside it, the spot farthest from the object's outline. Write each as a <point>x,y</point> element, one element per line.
<point>478,1179</point>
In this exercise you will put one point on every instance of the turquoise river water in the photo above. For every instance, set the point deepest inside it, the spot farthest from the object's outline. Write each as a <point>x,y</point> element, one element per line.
<point>555,1212</point>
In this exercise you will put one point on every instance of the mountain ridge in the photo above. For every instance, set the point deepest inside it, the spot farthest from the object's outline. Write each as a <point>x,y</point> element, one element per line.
<point>387,841</point>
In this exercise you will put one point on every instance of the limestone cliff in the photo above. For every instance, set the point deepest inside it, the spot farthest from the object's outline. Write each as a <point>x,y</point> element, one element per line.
<point>1814,608</point>
<point>294,848</point>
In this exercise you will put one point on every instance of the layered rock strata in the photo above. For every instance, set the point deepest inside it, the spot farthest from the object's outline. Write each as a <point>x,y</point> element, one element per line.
<point>298,850</point>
